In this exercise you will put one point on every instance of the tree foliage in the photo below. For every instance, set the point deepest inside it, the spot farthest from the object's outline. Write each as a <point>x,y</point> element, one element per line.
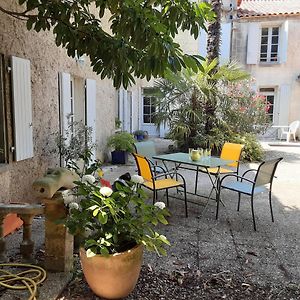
<point>139,41</point>
<point>183,101</point>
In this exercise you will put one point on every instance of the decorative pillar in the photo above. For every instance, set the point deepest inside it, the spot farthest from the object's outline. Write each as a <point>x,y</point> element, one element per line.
<point>27,245</point>
<point>58,241</point>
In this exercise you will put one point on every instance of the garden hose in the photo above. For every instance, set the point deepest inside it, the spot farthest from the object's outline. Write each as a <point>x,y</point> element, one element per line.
<point>28,279</point>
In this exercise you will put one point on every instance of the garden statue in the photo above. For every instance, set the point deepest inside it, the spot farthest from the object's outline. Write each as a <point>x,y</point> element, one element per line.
<point>54,179</point>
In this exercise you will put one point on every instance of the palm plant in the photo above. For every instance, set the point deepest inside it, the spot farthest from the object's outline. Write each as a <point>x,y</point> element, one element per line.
<point>184,100</point>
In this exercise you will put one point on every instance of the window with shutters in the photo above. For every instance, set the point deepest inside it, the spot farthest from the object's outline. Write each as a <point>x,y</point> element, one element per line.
<point>269,46</point>
<point>148,106</point>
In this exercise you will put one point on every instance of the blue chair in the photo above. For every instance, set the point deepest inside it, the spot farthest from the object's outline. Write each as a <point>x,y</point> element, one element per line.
<point>242,185</point>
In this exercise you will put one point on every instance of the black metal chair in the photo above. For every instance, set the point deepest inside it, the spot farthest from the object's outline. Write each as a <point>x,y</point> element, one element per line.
<point>262,182</point>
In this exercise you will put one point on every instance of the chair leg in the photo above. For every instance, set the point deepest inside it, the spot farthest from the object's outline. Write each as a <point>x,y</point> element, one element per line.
<point>218,202</point>
<point>185,201</point>
<point>154,196</point>
<point>270,201</point>
<point>167,195</point>
<point>239,201</point>
<point>196,181</point>
<point>253,217</point>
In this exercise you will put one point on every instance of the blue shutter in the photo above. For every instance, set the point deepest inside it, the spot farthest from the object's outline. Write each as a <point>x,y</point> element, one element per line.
<point>91,108</point>
<point>253,43</point>
<point>283,42</point>
<point>22,108</point>
<point>65,101</point>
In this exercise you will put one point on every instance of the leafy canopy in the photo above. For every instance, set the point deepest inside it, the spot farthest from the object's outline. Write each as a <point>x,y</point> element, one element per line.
<point>185,100</point>
<point>140,40</point>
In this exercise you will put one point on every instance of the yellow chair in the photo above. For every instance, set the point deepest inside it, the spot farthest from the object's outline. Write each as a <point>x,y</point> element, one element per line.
<point>230,151</point>
<point>154,183</point>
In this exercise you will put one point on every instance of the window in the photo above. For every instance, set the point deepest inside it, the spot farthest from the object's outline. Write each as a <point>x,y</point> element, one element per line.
<point>148,106</point>
<point>269,44</point>
<point>269,93</point>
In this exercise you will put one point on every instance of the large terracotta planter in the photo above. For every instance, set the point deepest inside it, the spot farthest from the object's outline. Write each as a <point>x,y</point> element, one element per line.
<point>113,276</point>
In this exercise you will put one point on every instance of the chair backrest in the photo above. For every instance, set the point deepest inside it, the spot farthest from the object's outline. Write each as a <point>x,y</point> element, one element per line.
<point>144,167</point>
<point>294,126</point>
<point>265,172</point>
<point>146,149</point>
<point>232,151</point>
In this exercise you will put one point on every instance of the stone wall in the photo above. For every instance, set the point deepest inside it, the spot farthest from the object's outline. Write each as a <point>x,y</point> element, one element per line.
<point>47,60</point>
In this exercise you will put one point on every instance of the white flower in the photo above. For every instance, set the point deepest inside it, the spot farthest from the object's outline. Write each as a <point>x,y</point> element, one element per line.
<point>160,205</point>
<point>137,179</point>
<point>88,179</point>
<point>67,196</point>
<point>74,205</point>
<point>90,253</point>
<point>106,191</point>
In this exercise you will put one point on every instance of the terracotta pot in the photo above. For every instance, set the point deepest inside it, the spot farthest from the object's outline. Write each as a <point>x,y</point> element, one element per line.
<point>113,276</point>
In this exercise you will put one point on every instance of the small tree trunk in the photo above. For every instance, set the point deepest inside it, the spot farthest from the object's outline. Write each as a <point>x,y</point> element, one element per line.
<point>213,51</point>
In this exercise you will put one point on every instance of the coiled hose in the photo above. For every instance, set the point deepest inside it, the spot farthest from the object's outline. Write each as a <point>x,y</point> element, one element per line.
<point>28,279</point>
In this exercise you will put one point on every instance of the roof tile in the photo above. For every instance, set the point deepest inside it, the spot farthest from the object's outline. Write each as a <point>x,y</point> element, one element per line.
<point>251,8</point>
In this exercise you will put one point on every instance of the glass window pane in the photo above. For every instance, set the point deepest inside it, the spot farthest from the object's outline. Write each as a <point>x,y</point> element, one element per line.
<point>264,40</point>
<point>263,49</point>
<point>274,49</point>
<point>275,30</point>
<point>275,40</point>
<point>146,118</point>
<point>147,110</point>
<point>152,109</point>
<point>146,100</point>
<point>264,31</point>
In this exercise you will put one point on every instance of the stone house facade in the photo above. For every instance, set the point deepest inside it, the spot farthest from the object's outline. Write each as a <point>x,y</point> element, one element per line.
<point>39,86</point>
<point>265,40</point>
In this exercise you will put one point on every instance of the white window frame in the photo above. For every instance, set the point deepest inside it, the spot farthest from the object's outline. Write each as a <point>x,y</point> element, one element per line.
<point>270,44</point>
<point>143,105</point>
<point>271,92</point>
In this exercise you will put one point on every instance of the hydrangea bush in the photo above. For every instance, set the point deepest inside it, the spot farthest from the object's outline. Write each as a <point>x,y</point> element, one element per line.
<point>109,222</point>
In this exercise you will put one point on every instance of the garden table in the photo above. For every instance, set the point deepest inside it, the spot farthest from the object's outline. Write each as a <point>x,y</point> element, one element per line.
<point>183,161</point>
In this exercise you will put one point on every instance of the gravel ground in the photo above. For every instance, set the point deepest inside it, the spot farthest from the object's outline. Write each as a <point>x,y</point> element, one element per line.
<point>188,284</point>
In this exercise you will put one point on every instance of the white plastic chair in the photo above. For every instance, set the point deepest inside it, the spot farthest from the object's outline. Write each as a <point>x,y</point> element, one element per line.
<point>291,130</point>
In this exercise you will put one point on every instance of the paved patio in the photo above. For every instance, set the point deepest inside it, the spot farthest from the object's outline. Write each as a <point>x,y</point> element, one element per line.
<point>269,256</point>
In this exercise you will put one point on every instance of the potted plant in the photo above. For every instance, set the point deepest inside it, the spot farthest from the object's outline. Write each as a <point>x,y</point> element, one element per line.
<point>114,227</point>
<point>122,143</point>
<point>139,135</point>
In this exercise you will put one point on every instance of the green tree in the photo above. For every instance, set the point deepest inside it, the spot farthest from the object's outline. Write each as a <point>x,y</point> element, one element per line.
<point>183,97</point>
<point>140,40</point>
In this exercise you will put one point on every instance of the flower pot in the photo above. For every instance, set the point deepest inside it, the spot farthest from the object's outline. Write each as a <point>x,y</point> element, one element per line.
<point>113,276</point>
<point>139,137</point>
<point>119,157</point>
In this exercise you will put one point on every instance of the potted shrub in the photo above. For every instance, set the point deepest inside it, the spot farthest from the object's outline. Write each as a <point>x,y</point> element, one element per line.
<point>114,227</point>
<point>122,143</point>
<point>139,135</point>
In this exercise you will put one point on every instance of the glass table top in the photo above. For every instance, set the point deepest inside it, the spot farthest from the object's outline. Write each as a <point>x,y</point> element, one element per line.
<point>184,158</point>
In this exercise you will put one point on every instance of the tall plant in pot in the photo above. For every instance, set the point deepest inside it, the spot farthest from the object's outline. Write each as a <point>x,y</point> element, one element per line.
<point>114,227</point>
<point>122,143</point>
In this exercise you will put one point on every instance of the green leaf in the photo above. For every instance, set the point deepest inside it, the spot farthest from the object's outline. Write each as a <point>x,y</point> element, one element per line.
<point>102,217</point>
<point>95,212</point>
<point>104,251</point>
<point>162,219</point>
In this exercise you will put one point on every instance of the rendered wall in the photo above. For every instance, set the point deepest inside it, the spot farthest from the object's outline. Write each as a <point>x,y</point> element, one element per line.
<point>275,75</point>
<point>47,60</point>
